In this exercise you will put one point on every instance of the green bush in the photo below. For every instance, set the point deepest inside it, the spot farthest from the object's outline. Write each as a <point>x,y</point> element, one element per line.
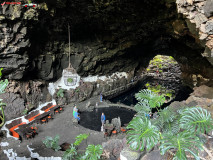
<point>69,80</point>
<point>52,143</point>
<point>25,111</point>
<point>176,129</point>
<point>60,93</point>
<point>3,85</point>
<point>92,152</point>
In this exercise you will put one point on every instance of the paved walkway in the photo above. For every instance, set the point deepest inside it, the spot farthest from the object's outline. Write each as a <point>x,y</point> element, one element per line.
<point>61,125</point>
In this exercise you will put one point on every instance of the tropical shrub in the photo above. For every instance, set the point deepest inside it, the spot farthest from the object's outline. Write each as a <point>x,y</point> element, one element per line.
<point>176,130</point>
<point>52,143</point>
<point>93,152</point>
<point>70,153</point>
<point>69,80</point>
<point>3,85</point>
<point>60,93</point>
<point>80,138</point>
<point>25,111</point>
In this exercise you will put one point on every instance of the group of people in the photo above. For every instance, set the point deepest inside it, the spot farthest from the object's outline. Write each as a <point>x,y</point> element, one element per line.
<point>77,116</point>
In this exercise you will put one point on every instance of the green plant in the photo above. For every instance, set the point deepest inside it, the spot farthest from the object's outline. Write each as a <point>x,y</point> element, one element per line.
<point>80,138</point>
<point>52,143</point>
<point>69,80</point>
<point>176,129</point>
<point>70,153</point>
<point>92,152</point>
<point>143,134</point>
<point>60,93</point>
<point>3,85</point>
<point>77,89</point>
<point>183,142</point>
<point>147,97</point>
<point>25,111</point>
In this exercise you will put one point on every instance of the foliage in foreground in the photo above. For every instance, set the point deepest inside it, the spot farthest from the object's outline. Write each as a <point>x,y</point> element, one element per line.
<point>60,93</point>
<point>93,152</point>
<point>52,143</point>
<point>3,85</point>
<point>176,130</point>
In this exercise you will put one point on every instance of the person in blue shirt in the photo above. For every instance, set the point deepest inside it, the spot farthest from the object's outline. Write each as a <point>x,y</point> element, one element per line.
<point>147,115</point>
<point>76,115</point>
<point>101,98</point>
<point>103,118</point>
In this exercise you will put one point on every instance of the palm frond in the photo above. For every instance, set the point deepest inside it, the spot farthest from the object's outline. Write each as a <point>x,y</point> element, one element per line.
<point>196,119</point>
<point>149,97</point>
<point>157,101</point>
<point>142,134</point>
<point>144,95</point>
<point>70,153</point>
<point>167,115</point>
<point>93,152</point>
<point>171,127</point>
<point>80,138</point>
<point>3,85</point>
<point>142,108</point>
<point>182,142</point>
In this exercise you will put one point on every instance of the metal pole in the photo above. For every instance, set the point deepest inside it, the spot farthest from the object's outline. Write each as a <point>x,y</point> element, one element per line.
<point>69,45</point>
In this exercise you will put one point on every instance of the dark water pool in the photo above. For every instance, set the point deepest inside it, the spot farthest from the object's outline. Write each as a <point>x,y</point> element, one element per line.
<point>92,120</point>
<point>128,97</point>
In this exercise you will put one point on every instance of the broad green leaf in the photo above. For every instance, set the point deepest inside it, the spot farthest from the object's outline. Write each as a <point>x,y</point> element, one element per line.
<point>196,119</point>
<point>3,85</point>
<point>93,152</point>
<point>80,138</point>
<point>70,153</point>
<point>182,142</point>
<point>150,98</point>
<point>142,134</point>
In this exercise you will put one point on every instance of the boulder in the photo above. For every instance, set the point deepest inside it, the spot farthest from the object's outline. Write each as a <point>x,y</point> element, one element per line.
<point>128,154</point>
<point>208,8</point>
<point>153,155</point>
<point>114,147</point>
<point>75,121</point>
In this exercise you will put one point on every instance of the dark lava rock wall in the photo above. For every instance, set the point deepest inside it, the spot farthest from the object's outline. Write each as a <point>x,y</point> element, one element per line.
<point>106,36</point>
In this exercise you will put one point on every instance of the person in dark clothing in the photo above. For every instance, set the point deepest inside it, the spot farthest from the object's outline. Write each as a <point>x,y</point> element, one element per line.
<point>103,118</point>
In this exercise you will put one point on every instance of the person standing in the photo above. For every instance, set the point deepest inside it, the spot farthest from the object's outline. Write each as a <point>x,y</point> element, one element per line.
<point>101,98</point>
<point>76,115</point>
<point>74,110</point>
<point>103,118</point>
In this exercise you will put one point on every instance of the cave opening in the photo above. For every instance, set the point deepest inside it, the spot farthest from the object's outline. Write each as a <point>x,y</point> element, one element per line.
<point>162,76</point>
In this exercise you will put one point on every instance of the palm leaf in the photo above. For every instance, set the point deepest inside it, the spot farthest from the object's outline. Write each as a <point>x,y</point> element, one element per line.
<point>144,95</point>
<point>167,115</point>
<point>182,142</point>
<point>3,85</point>
<point>156,101</point>
<point>142,108</point>
<point>196,119</point>
<point>70,153</point>
<point>171,127</point>
<point>142,134</point>
<point>149,97</point>
<point>93,152</point>
<point>80,138</point>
